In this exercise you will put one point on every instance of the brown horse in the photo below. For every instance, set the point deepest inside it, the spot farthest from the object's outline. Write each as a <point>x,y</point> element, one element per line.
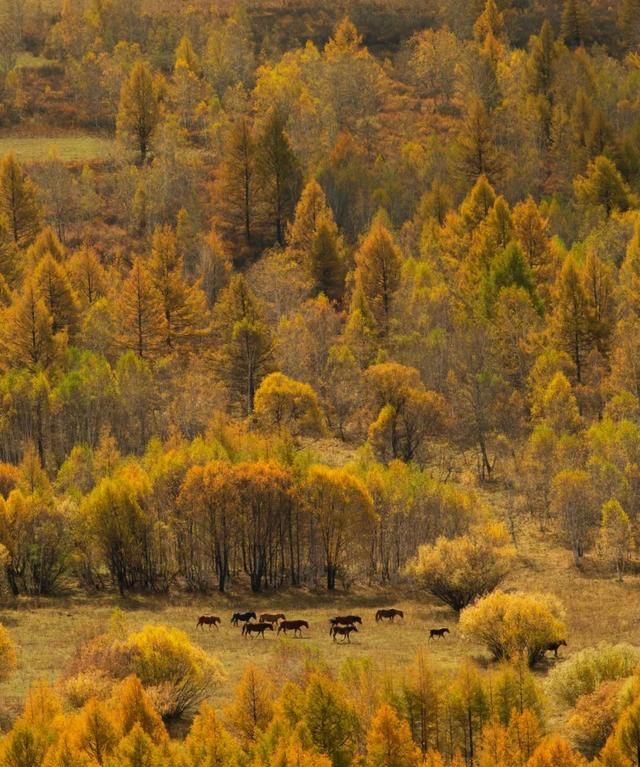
<point>249,629</point>
<point>272,617</point>
<point>438,633</point>
<point>343,631</point>
<point>390,614</point>
<point>555,646</point>
<point>207,620</point>
<point>345,620</point>
<point>295,626</point>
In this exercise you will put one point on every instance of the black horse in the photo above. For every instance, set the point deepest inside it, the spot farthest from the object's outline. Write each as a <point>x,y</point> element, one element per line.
<point>249,629</point>
<point>438,633</point>
<point>242,618</point>
<point>343,631</point>
<point>345,620</point>
<point>555,646</point>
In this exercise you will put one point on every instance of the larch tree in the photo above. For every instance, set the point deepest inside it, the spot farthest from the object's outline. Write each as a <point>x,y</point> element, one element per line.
<point>18,201</point>
<point>477,153</point>
<point>389,742</point>
<point>574,23</point>
<point>542,59</point>
<point>237,187</point>
<point>279,173</point>
<point>314,242</point>
<point>251,709</point>
<point>245,341</point>
<point>378,266</point>
<point>139,110</point>
<point>331,720</point>
<point>58,295</point>
<point>88,276</point>
<point>603,186</point>
<point>27,335</point>
<point>184,305</point>
<point>571,317</point>
<point>141,314</point>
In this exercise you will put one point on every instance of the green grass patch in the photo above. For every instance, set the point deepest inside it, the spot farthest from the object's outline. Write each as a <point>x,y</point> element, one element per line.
<point>27,60</point>
<point>69,148</point>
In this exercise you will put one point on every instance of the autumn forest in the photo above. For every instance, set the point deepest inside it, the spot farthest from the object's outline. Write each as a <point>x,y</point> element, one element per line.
<point>320,308</point>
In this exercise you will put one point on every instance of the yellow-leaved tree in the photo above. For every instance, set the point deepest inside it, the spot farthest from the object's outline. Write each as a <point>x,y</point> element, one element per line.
<point>459,570</point>
<point>342,509</point>
<point>515,625</point>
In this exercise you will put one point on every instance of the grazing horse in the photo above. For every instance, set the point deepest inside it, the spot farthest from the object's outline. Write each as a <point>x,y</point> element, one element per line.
<point>439,633</point>
<point>249,629</point>
<point>207,620</point>
<point>343,631</point>
<point>242,618</point>
<point>345,620</point>
<point>272,617</point>
<point>389,614</point>
<point>295,626</point>
<point>555,646</point>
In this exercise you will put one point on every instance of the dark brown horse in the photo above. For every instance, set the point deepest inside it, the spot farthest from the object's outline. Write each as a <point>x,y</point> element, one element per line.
<point>438,633</point>
<point>555,646</point>
<point>390,614</point>
<point>345,620</point>
<point>207,620</point>
<point>242,618</point>
<point>343,631</point>
<point>249,629</point>
<point>272,617</point>
<point>295,626</point>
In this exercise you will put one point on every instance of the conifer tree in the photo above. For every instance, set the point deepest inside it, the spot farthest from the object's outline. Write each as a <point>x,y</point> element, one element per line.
<point>574,22</point>
<point>58,295</point>
<point>18,202</point>
<point>184,306</point>
<point>140,314</point>
<point>279,173</point>
<point>27,335</point>
<point>139,110</point>
<point>378,263</point>
<point>245,341</point>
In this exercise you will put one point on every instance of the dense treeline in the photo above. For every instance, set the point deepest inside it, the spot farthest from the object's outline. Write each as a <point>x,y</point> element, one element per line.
<point>199,514</point>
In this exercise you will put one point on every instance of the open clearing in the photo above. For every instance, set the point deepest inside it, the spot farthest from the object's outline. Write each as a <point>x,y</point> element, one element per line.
<point>80,148</point>
<point>47,632</point>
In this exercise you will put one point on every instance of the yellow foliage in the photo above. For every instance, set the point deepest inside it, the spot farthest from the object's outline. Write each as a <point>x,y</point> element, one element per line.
<point>515,625</point>
<point>8,659</point>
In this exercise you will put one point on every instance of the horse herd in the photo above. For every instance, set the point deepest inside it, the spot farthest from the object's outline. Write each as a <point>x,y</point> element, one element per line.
<point>339,626</point>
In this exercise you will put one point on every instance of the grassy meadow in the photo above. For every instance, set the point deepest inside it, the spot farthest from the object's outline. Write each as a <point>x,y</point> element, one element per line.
<point>79,148</point>
<point>47,632</point>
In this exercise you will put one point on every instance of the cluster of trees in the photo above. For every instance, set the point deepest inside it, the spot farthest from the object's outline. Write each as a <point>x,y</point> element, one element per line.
<point>198,514</point>
<point>113,705</point>
<point>436,255</point>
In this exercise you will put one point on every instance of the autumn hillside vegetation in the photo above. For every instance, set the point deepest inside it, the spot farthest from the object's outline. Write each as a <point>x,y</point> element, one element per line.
<point>331,305</point>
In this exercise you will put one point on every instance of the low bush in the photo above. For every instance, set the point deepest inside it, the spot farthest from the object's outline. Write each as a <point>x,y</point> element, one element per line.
<point>515,625</point>
<point>585,671</point>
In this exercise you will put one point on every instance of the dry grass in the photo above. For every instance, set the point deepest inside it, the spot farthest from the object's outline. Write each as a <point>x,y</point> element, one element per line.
<point>597,609</point>
<point>48,633</point>
<point>79,148</point>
